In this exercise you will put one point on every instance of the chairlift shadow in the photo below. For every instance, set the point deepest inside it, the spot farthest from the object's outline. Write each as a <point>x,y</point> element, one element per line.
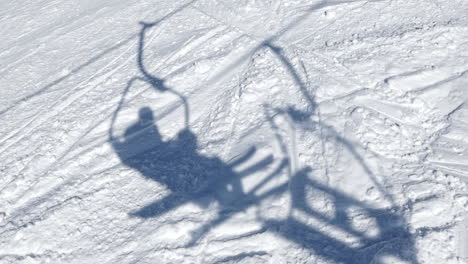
<point>177,164</point>
<point>393,239</point>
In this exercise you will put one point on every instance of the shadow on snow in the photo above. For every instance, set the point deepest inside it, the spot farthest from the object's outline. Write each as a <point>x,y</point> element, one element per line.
<point>193,177</point>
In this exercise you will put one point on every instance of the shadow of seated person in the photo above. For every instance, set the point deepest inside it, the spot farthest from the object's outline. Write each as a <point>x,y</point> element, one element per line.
<point>138,138</point>
<point>176,164</point>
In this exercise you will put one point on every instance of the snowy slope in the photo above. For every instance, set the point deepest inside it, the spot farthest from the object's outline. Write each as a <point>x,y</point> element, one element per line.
<point>250,131</point>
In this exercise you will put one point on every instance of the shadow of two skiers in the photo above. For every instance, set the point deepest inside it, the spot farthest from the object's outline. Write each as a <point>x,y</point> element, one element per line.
<point>178,165</point>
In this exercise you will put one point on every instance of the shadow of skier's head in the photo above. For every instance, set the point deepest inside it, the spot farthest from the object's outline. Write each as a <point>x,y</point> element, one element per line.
<point>146,114</point>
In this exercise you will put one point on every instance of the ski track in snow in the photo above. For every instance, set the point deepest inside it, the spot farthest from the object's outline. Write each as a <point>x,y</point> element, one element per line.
<point>234,132</point>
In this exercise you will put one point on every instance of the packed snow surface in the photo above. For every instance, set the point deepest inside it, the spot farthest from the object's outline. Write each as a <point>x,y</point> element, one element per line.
<point>249,131</point>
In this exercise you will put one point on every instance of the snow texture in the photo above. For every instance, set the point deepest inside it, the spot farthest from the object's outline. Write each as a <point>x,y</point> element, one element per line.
<point>249,131</point>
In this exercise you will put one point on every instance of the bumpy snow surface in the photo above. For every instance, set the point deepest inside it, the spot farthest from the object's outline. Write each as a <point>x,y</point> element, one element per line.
<point>249,131</point>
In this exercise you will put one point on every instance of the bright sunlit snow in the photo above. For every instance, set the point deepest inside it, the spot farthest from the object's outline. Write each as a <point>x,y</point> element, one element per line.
<point>247,131</point>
